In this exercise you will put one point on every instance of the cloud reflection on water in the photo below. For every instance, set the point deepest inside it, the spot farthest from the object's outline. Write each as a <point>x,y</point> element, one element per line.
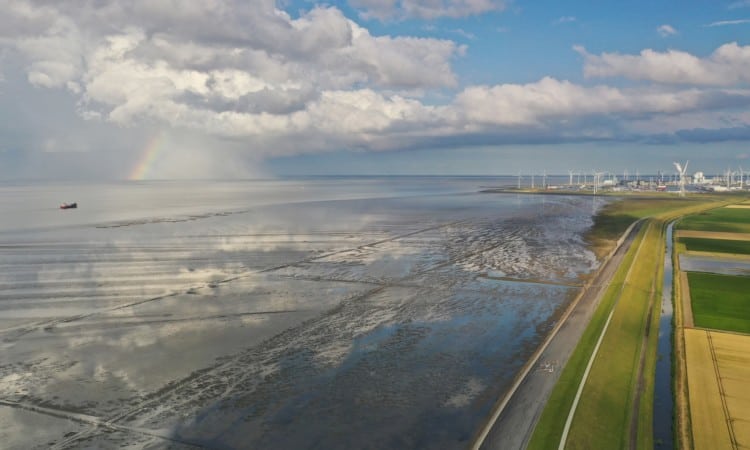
<point>366,318</point>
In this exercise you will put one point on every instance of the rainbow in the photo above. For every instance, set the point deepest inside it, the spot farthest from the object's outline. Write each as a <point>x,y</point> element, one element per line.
<point>148,157</point>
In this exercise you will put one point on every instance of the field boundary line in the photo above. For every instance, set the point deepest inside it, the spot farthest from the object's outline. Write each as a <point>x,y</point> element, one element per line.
<point>685,299</point>
<point>722,394</point>
<point>718,235</point>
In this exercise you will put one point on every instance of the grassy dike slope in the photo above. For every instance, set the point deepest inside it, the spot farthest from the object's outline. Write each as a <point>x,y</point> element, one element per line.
<point>617,400</point>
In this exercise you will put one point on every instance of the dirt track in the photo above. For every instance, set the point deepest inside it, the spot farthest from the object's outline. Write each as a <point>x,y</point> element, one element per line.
<point>713,235</point>
<point>687,309</point>
<point>515,424</point>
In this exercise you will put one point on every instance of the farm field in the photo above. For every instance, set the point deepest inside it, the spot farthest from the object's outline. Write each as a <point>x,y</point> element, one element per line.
<point>717,365</point>
<point>720,301</point>
<point>712,235</point>
<point>712,362</point>
<point>733,220</point>
<point>696,244</point>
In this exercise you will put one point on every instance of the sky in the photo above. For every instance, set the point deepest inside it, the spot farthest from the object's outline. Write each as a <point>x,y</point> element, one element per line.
<point>222,89</point>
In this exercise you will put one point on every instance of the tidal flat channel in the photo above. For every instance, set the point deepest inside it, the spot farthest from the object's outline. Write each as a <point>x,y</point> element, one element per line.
<point>345,313</point>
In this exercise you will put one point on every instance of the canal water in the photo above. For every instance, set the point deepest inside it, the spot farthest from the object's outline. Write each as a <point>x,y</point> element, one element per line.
<point>663,398</point>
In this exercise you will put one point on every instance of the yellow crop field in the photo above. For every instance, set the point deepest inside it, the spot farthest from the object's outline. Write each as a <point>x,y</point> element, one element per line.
<point>733,356</point>
<point>710,429</point>
<point>718,367</point>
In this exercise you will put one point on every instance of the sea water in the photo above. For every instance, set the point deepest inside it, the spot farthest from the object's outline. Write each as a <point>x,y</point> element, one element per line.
<point>380,312</point>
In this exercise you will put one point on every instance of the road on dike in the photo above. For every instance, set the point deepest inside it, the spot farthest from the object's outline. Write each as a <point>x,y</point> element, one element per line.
<point>513,420</point>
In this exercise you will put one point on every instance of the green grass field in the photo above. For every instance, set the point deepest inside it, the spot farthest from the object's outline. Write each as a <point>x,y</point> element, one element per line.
<point>720,219</point>
<point>716,245</point>
<point>720,302</point>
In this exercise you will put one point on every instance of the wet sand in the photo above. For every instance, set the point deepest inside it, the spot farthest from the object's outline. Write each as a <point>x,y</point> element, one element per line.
<point>386,323</point>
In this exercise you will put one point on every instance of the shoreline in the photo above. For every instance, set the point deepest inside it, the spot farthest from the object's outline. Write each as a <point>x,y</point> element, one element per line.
<point>521,406</point>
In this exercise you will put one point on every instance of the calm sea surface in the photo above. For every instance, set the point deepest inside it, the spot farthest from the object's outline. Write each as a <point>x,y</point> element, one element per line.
<point>376,312</point>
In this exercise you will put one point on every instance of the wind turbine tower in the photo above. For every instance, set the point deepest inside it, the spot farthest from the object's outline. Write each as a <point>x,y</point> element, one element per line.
<point>593,175</point>
<point>681,170</point>
<point>742,177</point>
<point>597,177</point>
<point>570,180</point>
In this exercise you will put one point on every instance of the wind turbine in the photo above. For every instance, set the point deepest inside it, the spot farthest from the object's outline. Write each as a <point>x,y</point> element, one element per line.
<point>597,178</point>
<point>570,180</point>
<point>681,170</point>
<point>742,176</point>
<point>519,180</point>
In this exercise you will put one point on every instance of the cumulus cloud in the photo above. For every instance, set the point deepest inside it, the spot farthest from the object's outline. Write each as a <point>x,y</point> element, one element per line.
<point>666,30</point>
<point>230,68</point>
<point>425,9</point>
<point>322,47</point>
<point>554,101</point>
<point>248,76</point>
<point>726,66</point>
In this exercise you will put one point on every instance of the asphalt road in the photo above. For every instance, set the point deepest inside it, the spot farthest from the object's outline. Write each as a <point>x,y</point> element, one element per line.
<point>515,424</point>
